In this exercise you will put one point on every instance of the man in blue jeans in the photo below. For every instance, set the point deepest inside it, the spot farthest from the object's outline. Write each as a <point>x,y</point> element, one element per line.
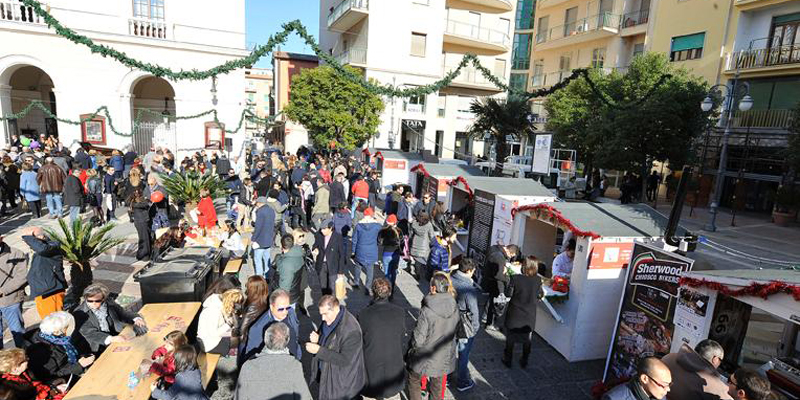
<point>13,279</point>
<point>51,183</point>
<point>263,236</point>
<point>467,300</point>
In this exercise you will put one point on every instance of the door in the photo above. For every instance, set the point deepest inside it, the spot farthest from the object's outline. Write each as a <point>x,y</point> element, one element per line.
<point>604,13</point>
<point>474,25</point>
<point>570,18</point>
<point>541,30</point>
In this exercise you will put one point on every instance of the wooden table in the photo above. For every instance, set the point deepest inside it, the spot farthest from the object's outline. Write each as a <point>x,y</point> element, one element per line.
<point>107,378</point>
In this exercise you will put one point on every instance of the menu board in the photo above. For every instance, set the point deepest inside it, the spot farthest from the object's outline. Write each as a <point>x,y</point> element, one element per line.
<point>480,230</point>
<point>430,185</point>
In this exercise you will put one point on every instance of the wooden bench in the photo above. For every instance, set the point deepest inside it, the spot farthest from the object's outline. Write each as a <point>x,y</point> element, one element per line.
<point>208,364</point>
<point>235,265</point>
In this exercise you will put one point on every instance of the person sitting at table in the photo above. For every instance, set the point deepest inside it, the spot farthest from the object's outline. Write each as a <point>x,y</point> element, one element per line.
<point>100,319</point>
<point>220,315</point>
<point>526,290</point>
<point>52,354</point>
<point>231,243</point>
<point>164,356</point>
<point>188,380</point>
<point>15,375</point>
<point>562,264</point>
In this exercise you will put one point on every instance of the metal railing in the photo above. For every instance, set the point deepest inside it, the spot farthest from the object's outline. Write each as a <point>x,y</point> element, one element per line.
<point>521,63</point>
<point>346,6</point>
<point>583,25</point>
<point>142,27</point>
<point>537,80</point>
<point>635,18</point>
<point>764,57</point>
<point>17,11</point>
<point>470,75</point>
<point>353,55</point>
<point>776,118</point>
<point>549,79</point>
<point>477,32</point>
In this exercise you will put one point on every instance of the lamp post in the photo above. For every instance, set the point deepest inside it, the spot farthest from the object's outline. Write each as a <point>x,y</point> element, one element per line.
<point>744,105</point>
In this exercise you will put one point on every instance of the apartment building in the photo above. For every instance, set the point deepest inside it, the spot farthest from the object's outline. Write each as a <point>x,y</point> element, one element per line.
<point>37,64</point>
<point>258,90</point>
<point>416,42</point>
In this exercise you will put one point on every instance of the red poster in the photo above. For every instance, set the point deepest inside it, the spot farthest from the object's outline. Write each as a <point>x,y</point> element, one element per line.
<point>443,183</point>
<point>610,255</point>
<point>394,164</point>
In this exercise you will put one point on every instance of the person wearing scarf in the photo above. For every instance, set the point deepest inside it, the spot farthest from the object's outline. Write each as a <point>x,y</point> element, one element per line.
<point>15,375</point>
<point>52,355</point>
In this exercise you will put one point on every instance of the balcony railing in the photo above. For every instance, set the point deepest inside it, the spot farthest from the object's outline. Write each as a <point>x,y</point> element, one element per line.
<point>476,32</point>
<point>549,79</point>
<point>354,55</point>
<point>346,6</point>
<point>147,28</point>
<point>581,26</point>
<point>635,18</point>
<point>779,118</point>
<point>765,57</point>
<point>469,75</point>
<point>17,11</point>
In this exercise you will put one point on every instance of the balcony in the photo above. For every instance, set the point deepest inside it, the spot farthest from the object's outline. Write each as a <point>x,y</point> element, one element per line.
<point>634,23</point>
<point>356,56</point>
<point>546,80</point>
<point>543,4</point>
<point>767,119</point>
<point>748,5</point>
<point>776,60</point>
<point>476,37</point>
<point>17,11</point>
<point>470,78</point>
<point>583,30</point>
<point>503,5</point>
<point>346,14</point>
<point>147,28</point>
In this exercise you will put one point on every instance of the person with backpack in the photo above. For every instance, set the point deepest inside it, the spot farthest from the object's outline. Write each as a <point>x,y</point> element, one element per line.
<point>467,295</point>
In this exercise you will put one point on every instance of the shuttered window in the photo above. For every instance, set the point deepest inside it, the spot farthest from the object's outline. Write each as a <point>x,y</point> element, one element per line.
<point>687,47</point>
<point>418,44</point>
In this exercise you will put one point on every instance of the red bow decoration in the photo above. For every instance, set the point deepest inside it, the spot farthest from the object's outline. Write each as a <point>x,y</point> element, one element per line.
<point>461,179</point>
<point>553,213</point>
<point>421,168</point>
<point>762,290</point>
<point>560,284</point>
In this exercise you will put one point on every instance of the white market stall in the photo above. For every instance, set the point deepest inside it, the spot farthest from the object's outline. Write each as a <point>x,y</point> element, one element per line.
<point>485,204</point>
<point>604,235</point>
<point>753,314</point>
<point>393,166</point>
<point>435,178</point>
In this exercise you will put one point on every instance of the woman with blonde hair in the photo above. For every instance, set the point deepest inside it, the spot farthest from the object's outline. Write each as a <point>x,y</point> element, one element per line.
<point>217,330</point>
<point>14,373</point>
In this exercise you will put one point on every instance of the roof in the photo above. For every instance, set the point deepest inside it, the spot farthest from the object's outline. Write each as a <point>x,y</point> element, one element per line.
<point>745,276</point>
<point>394,154</point>
<point>614,220</point>
<point>507,186</point>
<point>453,170</point>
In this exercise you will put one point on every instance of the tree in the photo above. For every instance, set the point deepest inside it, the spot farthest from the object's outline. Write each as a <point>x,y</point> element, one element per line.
<point>638,123</point>
<point>501,118</point>
<point>333,108</point>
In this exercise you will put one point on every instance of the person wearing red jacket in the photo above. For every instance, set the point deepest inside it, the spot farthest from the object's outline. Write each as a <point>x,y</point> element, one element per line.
<point>207,214</point>
<point>360,191</point>
<point>164,357</point>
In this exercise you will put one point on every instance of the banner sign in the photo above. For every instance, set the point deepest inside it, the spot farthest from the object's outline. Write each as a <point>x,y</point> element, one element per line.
<point>480,230</point>
<point>644,325</point>
<point>541,154</point>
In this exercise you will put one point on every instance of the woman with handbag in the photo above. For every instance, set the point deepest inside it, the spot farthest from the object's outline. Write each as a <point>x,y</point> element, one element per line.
<point>525,292</point>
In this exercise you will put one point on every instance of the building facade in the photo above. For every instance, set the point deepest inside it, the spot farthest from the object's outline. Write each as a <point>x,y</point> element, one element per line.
<point>284,67</point>
<point>417,42</point>
<point>37,64</point>
<point>260,100</point>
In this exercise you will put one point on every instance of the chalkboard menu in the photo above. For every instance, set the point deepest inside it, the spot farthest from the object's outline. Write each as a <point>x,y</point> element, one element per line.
<point>480,230</point>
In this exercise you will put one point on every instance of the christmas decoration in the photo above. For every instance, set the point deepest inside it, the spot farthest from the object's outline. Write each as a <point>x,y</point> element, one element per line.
<point>762,290</point>
<point>560,284</point>
<point>537,210</point>
<point>421,169</point>
<point>460,179</point>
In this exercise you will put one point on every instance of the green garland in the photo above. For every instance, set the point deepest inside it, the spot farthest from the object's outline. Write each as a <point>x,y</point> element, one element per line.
<point>280,38</point>
<point>246,114</point>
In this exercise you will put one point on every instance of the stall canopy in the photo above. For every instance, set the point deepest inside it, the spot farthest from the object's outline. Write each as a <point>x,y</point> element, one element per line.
<point>393,166</point>
<point>434,178</point>
<point>505,186</point>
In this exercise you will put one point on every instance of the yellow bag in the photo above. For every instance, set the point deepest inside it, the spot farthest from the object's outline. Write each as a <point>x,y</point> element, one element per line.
<point>341,290</point>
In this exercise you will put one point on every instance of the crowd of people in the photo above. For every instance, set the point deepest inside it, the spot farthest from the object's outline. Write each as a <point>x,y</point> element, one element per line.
<point>316,221</point>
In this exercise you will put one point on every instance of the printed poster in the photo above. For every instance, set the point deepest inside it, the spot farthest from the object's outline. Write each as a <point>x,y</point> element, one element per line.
<point>610,255</point>
<point>480,230</point>
<point>644,326</point>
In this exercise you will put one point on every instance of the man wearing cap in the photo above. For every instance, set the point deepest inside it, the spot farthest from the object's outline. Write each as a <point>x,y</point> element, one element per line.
<point>263,236</point>
<point>330,257</point>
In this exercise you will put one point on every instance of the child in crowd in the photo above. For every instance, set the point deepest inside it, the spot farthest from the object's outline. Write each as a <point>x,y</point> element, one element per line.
<point>164,356</point>
<point>188,381</point>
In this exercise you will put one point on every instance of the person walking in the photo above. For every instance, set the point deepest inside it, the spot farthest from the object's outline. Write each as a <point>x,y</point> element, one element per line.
<point>421,234</point>
<point>391,238</point>
<point>493,278</point>
<point>13,271</point>
<point>338,194</point>
<point>289,268</point>
<point>383,326</point>
<point>46,272</point>
<point>467,295</point>
<point>321,209</point>
<point>360,194</point>
<point>525,292</point>
<point>140,209</point>
<point>433,348</point>
<point>337,366</point>
<point>51,183</point>
<point>263,236</point>
<point>74,194</point>
<point>330,257</point>
<point>365,248</point>
<point>29,189</point>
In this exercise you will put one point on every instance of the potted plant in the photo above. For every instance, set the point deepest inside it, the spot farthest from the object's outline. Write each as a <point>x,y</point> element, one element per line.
<point>81,243</point>
<point>787,200</point>
<point>184,188</point>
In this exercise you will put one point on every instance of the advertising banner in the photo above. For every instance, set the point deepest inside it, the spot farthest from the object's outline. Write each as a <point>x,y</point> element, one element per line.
<point>644,325</point>
<point>541,154</point>
<point>480,230</point>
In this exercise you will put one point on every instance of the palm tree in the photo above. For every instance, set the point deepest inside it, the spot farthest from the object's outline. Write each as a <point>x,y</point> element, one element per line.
<point>80,243</point>
<point>501,118</point>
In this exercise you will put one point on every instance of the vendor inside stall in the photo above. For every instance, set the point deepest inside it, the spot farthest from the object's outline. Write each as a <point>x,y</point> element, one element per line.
<point>562,264</point>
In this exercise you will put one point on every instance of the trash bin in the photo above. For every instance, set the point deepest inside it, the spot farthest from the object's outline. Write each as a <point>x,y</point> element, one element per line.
<point>179,275</point>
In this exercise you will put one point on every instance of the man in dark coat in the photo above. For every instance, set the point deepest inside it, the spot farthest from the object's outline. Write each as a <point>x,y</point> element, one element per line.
<point>494,279</point>
<point>82,159</point>
<point>521,314</point>
<point>338,363</point>
<point>330,256</point>
<point>100,334</point>
<point>263,236</point>
<point>384,329</point>
<point>73,194</point>
<point>223,165</point>
<point>280,310</point>
<point>337,195</point>
<point>46,272</point>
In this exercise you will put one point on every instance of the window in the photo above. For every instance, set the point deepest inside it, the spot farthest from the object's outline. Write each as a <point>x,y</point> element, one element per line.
<point>638,49</point>
<point>439,141</point>
<point>689,47</point>
<point>538,73</point>
<point>598,57</point>
<point>418,44</point>
<point>518,81</point>
<point>415,104</point>
<point>570,21</point>
<point>153,9</point>
<point>564,62</point>
<point>521,53</point>
<point>500,68</point>
<point>442,105</point>
<point>251,97</point>
<point>524,16</point>
<point>541,30</point>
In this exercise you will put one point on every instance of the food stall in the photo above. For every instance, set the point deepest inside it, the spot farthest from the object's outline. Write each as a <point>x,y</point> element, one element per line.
<point>435,178</point>
<point>580,327</point>
<point>484,205</point>
<point>392,166</point>
<point>753,314</point>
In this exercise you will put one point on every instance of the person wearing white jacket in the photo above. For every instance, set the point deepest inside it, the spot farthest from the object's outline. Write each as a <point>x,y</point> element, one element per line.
<point>220,315</point>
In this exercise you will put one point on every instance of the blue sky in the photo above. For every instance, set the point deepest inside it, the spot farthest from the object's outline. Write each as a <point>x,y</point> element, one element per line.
<point>264,18</point>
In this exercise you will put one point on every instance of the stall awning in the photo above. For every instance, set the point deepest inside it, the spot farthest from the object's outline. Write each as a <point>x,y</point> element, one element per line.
<point>508,186</point>
<point>396,155</point>
<point>450,170</point>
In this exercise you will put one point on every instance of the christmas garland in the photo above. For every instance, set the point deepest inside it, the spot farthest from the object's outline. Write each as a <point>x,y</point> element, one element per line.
<point>460,179</point>
<point>561,221</point>
<point>762,290</point>
<point>103,110</point>
<point>421,168</point>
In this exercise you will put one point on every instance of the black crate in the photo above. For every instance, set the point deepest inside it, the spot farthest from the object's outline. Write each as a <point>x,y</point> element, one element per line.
<point>179,275</point>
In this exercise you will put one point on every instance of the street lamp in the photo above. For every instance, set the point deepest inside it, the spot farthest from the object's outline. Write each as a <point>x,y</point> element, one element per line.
<point>744,105</point>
